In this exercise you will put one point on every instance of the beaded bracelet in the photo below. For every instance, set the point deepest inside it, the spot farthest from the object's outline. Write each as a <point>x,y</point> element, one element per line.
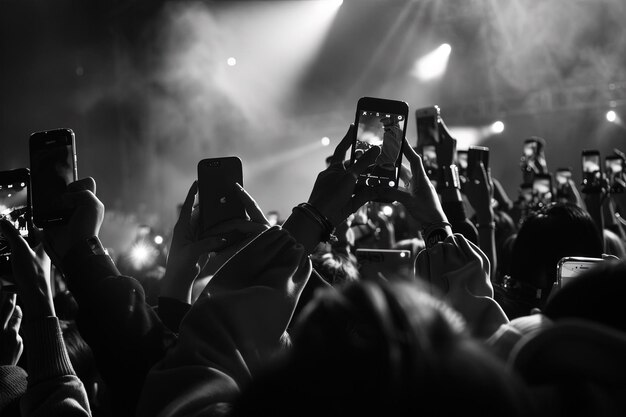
<point>324,223</point>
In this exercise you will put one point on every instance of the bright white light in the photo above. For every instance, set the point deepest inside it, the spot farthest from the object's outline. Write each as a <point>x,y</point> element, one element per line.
<point>497,127</point>
<point>231,61</point>
<point>611,116</point>
<point>158,239</point>
<point>433,64</point>
<point>325,141</point>
<point>328,6</point>
<point>142,255</point>
<point>387,211</point>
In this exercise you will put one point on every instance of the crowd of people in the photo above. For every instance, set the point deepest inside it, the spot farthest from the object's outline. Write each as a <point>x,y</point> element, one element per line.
<point>280,318</point>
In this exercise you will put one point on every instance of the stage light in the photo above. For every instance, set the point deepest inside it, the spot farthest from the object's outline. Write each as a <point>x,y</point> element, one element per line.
<point>611,116</point>
<point>387,211</point>
<point>433,64</point>
<point>497,127</point>
<point>158,239</point>
<point>142,255</point>
<point>325,141</point>
<point>231,62</point>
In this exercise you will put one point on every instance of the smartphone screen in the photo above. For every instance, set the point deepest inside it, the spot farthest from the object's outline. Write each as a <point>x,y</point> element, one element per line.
<point>571,267</point>
<point>530,149</point>
<point>429,156</point>
<point>591,162</point>
<point>380,123</point>
<point>461,158</point>
<point>614,166</point>
<point>427,129</point>
<point>14,208</point>
<point>53,167</point>
<point>217,194</point>
<point>562,175</point>
<point>542,188</point>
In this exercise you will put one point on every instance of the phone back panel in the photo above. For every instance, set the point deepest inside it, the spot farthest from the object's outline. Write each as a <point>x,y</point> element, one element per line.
<point>52,169</point>
<point>217,193</point>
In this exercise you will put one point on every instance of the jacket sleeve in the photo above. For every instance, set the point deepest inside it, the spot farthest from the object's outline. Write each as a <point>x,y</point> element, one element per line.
<point>224,340</point>
<point>125,333</point>
<point>53,387</point>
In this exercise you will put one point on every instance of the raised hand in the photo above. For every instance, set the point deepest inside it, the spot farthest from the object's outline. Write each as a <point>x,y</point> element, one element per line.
<point>85,221</point>
<point>30,274</point>
<point>420,199</point>
<point>333,193</point>
<point>186,249</point>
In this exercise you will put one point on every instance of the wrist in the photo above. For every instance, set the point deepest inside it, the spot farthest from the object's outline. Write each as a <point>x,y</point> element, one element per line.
<point>307,231</point>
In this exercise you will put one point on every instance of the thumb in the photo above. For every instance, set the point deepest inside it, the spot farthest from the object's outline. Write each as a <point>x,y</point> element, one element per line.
<point>83,184</point>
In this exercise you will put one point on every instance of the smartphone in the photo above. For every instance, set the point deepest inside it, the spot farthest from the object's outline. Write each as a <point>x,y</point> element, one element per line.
<point>15,207</point>
<point>475,155</point>
<point>52,168</point>
<point>570,267</point>
<point>591,167</point>
<point>562,175</point>
<point>542,188</point>
<point>380,122</point>
<point>614,166</point>
<point>217,195</point>
<point>392,264</point>
<point>427,121</point>
<point>461,161</point>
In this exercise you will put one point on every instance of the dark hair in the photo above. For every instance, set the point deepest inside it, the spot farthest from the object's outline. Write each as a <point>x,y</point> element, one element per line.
<point>557,231</point>
<point>379,348</point>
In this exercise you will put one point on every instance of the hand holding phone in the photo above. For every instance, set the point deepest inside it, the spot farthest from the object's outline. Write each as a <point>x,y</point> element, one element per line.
<point>52,169</point>
<point>542,189</point>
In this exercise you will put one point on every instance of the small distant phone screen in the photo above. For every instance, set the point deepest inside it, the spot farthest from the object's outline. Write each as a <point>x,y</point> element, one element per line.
<point>614,165</point>
<point>591,163</point>
<point>14,208</point>
<point>429,155</point>
<point>562,176</point>
<point>541,186</point>
<point>462,160</point>
<point>386,130</point>
<point>530,149</point>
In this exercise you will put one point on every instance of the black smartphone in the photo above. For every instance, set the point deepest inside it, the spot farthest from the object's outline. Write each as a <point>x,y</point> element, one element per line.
<point>461,161</point>
<point>562,175</point>
<point>542,188</point>
<point>591,167</point>
<point>217,195</point>
<point>427,121</point>
<point>380,122</point>
<point>14,207</point>
<point>52,168</point>
<point>475,155</point>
